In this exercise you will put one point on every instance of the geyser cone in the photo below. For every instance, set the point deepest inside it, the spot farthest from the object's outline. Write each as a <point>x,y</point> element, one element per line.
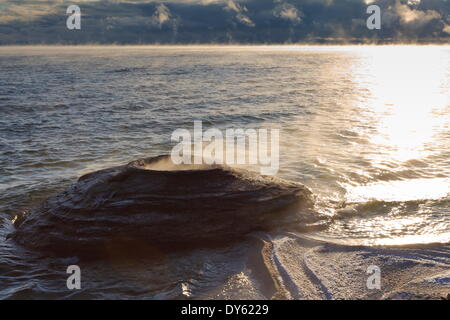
<point>155,202</point>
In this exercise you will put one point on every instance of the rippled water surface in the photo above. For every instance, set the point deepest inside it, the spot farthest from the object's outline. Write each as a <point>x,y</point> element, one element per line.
<point>366,128</point>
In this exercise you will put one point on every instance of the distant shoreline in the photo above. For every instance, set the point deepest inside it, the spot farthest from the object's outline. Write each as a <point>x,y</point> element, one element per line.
<point>309,42</point>
<point>224,45</point>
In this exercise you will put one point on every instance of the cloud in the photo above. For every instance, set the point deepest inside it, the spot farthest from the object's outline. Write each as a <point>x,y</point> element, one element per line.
<point>12,11</point>
<point>447,29</point>
<point>216,21</point>
<point>288,12</point>
<point>162,15</point>
<point>240,13</point>
<point>231,5</point>
<point>416,17</point>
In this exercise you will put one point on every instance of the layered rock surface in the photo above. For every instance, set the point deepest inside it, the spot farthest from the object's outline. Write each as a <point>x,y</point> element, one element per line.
<point>154,202</point>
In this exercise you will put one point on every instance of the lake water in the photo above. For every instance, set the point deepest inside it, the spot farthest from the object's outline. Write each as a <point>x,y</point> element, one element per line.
<point>366,128</point>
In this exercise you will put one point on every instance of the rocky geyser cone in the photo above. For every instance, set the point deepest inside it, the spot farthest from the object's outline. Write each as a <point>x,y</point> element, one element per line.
<point>144,202</point>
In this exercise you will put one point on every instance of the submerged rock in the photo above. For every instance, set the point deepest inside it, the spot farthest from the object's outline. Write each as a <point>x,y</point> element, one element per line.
<point>155,202</point>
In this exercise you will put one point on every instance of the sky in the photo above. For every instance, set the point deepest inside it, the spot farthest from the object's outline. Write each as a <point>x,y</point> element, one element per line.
<point>222,21</point>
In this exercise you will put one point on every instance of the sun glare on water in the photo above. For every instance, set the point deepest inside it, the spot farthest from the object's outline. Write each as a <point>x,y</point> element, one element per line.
<point>403,101</point>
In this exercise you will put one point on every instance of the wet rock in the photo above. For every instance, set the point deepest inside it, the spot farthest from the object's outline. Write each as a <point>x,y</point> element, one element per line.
<point>153,202</point>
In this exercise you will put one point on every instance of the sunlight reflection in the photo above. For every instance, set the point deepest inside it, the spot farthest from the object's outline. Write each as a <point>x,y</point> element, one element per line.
<point>407,91</point>
<point>408,190</point>
<point>404,99</point>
